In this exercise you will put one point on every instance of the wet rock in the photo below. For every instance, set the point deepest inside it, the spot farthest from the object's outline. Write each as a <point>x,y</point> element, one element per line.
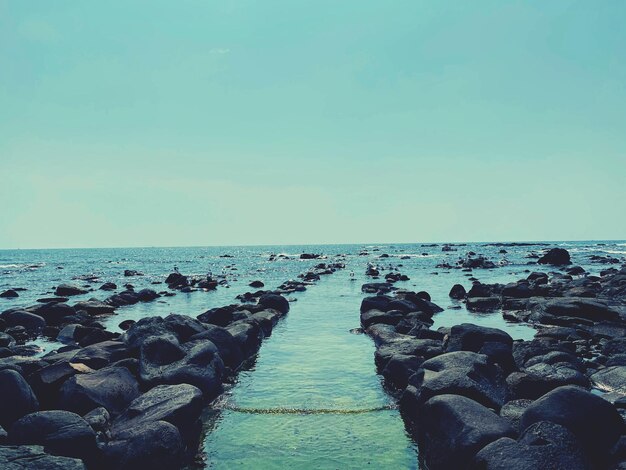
<point>483,304</point>
<point>377,288</point>
<point>46,381</point>
<point>112,388</point>
<point>275,302</point>
<point>156,445</point>
<point>400,368</point>
<point>457,292</point>
<point>555,257</point>
<point>17,398</point>
<point>371,317</point>
<point>99,355</point>
<point>181,327</point>
<point>594,421</point>
<point>256,284</point>
<point>539,379</point>
<point>108,286</point>
<point>60,432</point>
<point>513,411</point>
<point>180,405</point>
<point>228,348</point>
<point>177,280</point>
<point>163,361</point>
<point>67,290</point>
<point>132,272</point>
<point>611,379</point>
<point>219,316</point>
<point>24,457</point>
<point>9,294</point>
<point>247,335</point>
<point>55,313</point>
<point>30,321</point>
<point>461,373</point>
<point>94,307</point>
<point>100,421</point>
<point>543,445</point>
<point>455,428</point>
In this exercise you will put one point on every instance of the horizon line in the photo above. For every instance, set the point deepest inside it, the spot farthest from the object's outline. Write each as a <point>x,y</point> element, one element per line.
<point>459,242</point>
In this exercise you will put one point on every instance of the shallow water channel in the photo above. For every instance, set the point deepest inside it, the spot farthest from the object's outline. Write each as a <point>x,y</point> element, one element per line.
<point>313,398</point>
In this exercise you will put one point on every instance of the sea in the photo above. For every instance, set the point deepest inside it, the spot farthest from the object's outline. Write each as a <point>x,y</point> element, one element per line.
<point>312,397</point>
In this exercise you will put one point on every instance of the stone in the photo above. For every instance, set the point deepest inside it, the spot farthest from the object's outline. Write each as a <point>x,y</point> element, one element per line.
<point>67,290</point>
<point>457,292</point>
<point>555,257</point>
<point>17,398</point>
<point>29,457</point>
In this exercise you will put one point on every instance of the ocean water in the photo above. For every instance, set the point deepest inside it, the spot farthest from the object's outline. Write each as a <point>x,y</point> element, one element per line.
<point>312,398</point>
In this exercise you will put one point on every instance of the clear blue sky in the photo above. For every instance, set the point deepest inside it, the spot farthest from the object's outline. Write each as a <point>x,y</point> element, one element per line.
<point>139,123</point>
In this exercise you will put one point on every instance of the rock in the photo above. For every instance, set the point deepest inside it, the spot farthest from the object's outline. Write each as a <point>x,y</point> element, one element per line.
<point>513,411</point>
<point>555,257</point>
<point>67,290</point>
<point>29,457</point>
<point>543,445</point>
<point>112,388</point>
<point>377,288</point>
<point>470,337</point>
<point>132,272</point>
<point>457,292</point>
<point>581,307</point>
<point>155,446</point>
<point>594,421</point>
<point>55,313</point>
<point>17,398</point>
<point>46,381</point>
<point>247,335</point>
<point>219,316</point>
<point>461,373</point>
<point>454,429</point>
<point>100,421</point>
<point>9,294</point>
<point>181,327</point>
<point>94,307</point>
<point>99,355</point>
<point>108,286</point>
<point>275,302</point>
<point>228,348</point>
<point>392,317</point>
<point>30,321</point>
<point>611,379</point>
<point>176,280</point>
<point>539,379</point>
<point>483,304</point>
<point>399,368</point>
<point>256,284</point>
<point>180,405</point>
<point>147,295</point>
<point>164,361</point>
<point>60,432</point>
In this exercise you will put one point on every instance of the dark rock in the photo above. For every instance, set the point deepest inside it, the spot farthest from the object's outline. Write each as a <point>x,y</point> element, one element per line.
<point>594,421</point>
<point>219,316</point>
<point>100,421</point>
<point>377,288</point>
<point>9,294</point>
<point>156,446</point>
<point>457,292</point>
<point>274,301</point>
<point>541,378</point>
<point>256,284</point>
<point>247,335</point>
<point>555,257</point>
<point>30,321</point>
<point>108,286</point>
<point>112,388</point>
<point>164,361</point>
<point>60,432</point>
<point>483,304</point>
<point>16,397</point>
<point>67,290</point>
<point>513,411</point>
<point>611,379</point>
<point>470,337</point>
<point>132,272</point>
<point>99,355</point>
<point>180,405</point>
<point>30,457</point>
<point>55,313</point>
<point>581,307</point>
<point>543,445</point>
<point>454,429</point>
<point>228,348</point>
<point>176,280</point>
<point>94,307</point>
<point>461,373</point>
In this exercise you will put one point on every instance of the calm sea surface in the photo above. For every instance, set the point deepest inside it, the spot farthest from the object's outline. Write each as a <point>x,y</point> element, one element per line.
<point>312,399</point>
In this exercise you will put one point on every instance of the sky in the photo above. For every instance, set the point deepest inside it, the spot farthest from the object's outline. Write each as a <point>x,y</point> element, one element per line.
<point>187,123</point>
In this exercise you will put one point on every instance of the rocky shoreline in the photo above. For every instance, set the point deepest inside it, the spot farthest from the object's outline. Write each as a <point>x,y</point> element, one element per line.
<point>131,400</point>
<point>475,399</point>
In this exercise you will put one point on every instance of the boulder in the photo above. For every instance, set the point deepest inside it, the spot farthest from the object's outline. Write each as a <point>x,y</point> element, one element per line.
<point>454,428</point>
<point>219,316</point>
<point>94,307</point>
<point>155,445</point>
<point>247,335</point>
<point>112,388</point>
<point>67,290</point>
<point>16,397</point>
<point>55,313</point>
<point>60,432</point>
<point>461,373</point>
<point>275,302</point>
<point>594,421</point>
<point>164,361</point>
<point>29,457</point>
<point>611,379</point>
<point>391,317</point>
<point>180,405</point>
<point>591,309</point>
<point>9,294</point>
<point>30,321</point>
<point>181,327</point>
<point>483,304</point>
<point>228,348</point>
<point>543,445</point>
<point>555,257</point>
<point>99,355</point>
<point>457,292</point>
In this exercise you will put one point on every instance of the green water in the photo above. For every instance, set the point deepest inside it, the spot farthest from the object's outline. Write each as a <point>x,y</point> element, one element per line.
<point>313,399</point>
